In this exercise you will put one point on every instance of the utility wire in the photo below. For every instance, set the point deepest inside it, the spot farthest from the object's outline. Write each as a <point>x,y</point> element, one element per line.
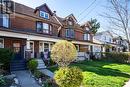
<point>87,8</point>
<point>88,13</point>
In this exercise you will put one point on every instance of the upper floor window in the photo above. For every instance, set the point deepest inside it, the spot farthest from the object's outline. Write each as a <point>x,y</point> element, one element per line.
<point>87,29</point>
<point>4,20</point>
<point>86,36</point>
<point>70,22</point>
<point>44,15</point>
<point>1,43</point>
<point>43,27</point>
<point>70,33</point>
<point>39,26</point>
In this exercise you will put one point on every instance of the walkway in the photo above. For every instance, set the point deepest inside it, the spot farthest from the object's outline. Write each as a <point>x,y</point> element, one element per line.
<point>47,72</point>
<point>127,84</point>
<point>25,79</point>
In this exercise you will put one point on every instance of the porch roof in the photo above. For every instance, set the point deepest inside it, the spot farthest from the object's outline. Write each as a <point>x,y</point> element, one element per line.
<point>34,36</point>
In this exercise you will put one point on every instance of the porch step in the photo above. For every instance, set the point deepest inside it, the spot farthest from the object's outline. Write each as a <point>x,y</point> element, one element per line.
<point>41,64</point>
<point>17,65</point>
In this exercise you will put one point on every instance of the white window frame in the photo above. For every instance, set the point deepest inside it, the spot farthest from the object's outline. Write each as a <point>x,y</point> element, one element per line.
<point>43,14</point>
<point>86,36</point>
<point>69,32</point>
<point>43,47</point>
<point>3,42</point>
<point>45,27</point>
<point>5,20</point>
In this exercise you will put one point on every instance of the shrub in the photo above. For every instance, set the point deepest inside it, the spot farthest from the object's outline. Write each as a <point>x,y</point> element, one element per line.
<point>37,74</point>
<point>63,53</point>
<point>32,64</point>
<point>68,77</point>
<point>6,56</point>
<point>119,57</point>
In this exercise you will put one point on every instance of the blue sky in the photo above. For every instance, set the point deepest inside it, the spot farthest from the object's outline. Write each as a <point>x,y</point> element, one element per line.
<point>66,7</point>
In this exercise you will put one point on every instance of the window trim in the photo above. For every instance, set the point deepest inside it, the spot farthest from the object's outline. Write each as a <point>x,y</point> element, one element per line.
<point>2,25</point>
<point>42,29</point>
<point>3,42</point>
<point>88,36</point>
<point>45,13</point>
<point>69,35</point>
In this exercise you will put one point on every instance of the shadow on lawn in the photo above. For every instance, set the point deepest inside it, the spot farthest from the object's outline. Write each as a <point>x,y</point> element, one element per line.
<point>97,67</point>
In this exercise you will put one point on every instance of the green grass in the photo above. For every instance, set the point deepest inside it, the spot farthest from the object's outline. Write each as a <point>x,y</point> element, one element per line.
<point>103,74</point>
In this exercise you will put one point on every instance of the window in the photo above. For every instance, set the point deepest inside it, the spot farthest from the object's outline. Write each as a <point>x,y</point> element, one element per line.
<point>1,43</point>
<point>87,29</point>
<point>50,29</point>
<point>16,47</point>
<point>70,33</point>
<point>77,47</point>
<point>44,15</point>
<point>45,28</point>
<point>70,22</point>
<point>86,36</point>
<point>39,26</point>
<point>5,20</point>
<point>46,47</point>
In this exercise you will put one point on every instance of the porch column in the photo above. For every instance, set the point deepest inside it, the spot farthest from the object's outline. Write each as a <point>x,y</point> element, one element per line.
<point>28,51</point>
<point>49,46</point>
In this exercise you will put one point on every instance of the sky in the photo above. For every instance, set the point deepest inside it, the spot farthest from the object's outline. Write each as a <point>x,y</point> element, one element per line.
<point>65,7</point>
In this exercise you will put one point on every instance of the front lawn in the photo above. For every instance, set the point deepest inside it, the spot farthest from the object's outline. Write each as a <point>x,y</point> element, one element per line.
<point>103,74</point>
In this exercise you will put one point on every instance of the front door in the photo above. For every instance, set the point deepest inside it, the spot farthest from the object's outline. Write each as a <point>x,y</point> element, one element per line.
<point>32,49</point>
<point>17,50</point>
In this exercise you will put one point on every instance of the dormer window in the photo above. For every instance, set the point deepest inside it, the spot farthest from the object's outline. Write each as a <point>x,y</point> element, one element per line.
<point>70,22</point>
<point>44,15</point>
<point>87,29</point>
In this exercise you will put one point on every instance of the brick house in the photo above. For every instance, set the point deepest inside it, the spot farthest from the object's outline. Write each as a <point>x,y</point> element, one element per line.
<point>28,31</point>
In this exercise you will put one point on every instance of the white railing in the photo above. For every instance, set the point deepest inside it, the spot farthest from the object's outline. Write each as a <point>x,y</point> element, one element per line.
<point>82,56</point>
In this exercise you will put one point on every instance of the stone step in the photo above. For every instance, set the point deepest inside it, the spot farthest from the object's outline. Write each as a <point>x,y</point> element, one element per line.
<point>41,64</point>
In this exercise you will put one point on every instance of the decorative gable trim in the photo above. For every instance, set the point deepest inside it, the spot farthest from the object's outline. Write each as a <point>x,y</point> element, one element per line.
<point>37,8</point>
<point>72,16</point>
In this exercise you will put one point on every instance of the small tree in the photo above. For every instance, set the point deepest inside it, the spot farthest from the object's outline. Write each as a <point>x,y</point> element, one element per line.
<point>63,53</point>
<point>69,77</point>
<point>94,25</point>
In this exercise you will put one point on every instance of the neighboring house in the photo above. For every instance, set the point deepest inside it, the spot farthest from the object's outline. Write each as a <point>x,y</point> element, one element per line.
<point>30,32</point>
<point>107,41</point>
<point>121,44</point>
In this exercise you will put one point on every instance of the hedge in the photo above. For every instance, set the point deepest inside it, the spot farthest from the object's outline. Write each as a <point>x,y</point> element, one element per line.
<point>119,57</point>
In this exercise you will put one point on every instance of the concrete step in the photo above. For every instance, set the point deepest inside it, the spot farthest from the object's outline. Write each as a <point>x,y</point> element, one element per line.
<point>17,65</point>
<point>41,64</point>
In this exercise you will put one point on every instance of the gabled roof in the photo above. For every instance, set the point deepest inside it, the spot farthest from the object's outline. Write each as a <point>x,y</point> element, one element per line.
<point>101,33</point>
<point>72,16</point>
<point>44,5</point>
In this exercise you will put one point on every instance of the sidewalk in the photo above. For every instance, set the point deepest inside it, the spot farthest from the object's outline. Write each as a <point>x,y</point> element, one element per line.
<point>47,72</point>
<point>127,84</point>
<point>25,79</point>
